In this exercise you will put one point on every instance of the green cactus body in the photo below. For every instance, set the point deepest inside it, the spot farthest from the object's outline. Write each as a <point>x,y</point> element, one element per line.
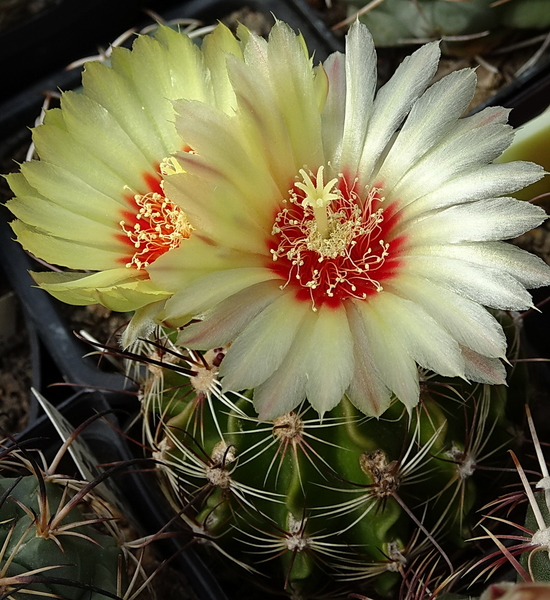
<point>353,497</point>
<point>536,560</point>
<point>397,20</point>
<point>76,553</point>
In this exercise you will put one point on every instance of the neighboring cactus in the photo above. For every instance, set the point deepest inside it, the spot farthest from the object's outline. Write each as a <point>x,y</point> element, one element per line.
<point>394,21</point>
<point>49,546</point>
<point>527,549</point>
<point>302,497</point>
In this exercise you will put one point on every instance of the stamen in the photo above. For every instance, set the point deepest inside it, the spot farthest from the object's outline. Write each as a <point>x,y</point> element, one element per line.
<point>160,226</point>
<point>342,256</point>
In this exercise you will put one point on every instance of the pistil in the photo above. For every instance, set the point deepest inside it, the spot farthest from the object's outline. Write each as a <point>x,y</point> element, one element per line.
<point>330,243</point>
<point>318,196</point>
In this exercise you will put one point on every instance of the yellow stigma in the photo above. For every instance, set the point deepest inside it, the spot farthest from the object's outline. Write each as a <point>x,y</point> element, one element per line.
<point>170,166</point>
<point>318,196</point>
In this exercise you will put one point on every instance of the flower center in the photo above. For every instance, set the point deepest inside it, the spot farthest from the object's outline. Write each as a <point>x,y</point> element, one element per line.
<point>158,225</point>
<point>330,244</point>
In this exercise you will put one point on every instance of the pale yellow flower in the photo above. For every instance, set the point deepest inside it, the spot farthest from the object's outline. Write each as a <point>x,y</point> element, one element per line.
<point>343,238</point>
<point>95,202</point>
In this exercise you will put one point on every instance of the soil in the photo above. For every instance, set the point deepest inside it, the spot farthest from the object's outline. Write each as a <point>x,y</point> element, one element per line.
<point>15,383</point>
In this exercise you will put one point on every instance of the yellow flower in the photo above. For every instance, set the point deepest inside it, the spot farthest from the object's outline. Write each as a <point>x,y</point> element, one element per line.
<point>95,202</point>
<point>343,238</point>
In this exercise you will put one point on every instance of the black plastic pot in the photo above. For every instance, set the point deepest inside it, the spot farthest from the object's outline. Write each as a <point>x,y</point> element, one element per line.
<point>62,32</point>
<point>528,95</point>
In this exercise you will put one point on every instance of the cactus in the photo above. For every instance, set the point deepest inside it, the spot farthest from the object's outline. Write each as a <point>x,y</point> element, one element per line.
<point>526,548</point>
<point>49,545</point>
<point>342,502</point>
<point>394,21</point>
<point>318,293</point>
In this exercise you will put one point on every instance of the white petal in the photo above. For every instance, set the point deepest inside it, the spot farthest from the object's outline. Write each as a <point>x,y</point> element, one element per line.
<point>332,117</point>
<point>286,388</point>
<point>217,48</point>
<point>117,94</point>
<point>359,94</point>
<point>393,102</point>
<point>487,116</point>
<point>431,117</point>
<point>468,322</point>
<point>216,209</point>
<point>178,269</point>
<point>58,221</point>
<point>367,391</point>
<point>451,157</point>
<point>159,75</point>
<point>527,268</point>
<point>485,285</point>
<point>69,190</point>
<point>67,253</point>
<point>293,86</point>
<point>262,346</point>
<point>142,323</point>
<point>423,338</point>
<point>57,147</point>
<point>97,130</point>
<point>485,220</point>
<point>262,118</point>
<point>328,360</point>
<point>210,289</point>
<point>487,181</point>
<point>482,369</point>
<point>222,149</point>
<point>396,367</point>
<point>223,323</point>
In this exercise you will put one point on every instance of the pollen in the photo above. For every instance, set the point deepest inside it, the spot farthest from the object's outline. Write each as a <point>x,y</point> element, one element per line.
<point>159,226</point>
<point>343,253</point>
